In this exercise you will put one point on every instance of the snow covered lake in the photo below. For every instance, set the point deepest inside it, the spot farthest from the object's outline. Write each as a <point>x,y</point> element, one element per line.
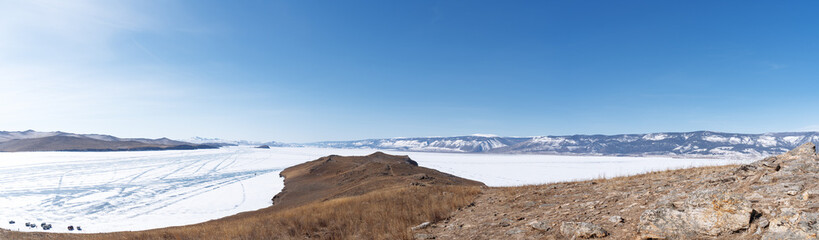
<point>127,191</point>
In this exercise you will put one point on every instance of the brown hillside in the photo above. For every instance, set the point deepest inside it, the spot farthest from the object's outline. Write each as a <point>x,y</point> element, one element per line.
<point>336,176</point>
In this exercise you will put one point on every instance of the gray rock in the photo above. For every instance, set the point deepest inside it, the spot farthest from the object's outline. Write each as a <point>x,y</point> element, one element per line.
<point>763,222</point>
<point>710,213</point>
<point>793,225</point>
<point>807,195</point>
<point>540,225</point>
<point>424,236</point>
<point>514,231</point>
<point>664,222</point>
<point>616,219</point>
<point>421,226</point>
<point>582,230</point>
<point>714,213</point>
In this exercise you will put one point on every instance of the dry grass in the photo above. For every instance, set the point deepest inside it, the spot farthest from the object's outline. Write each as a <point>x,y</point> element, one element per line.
<point>384,214</point>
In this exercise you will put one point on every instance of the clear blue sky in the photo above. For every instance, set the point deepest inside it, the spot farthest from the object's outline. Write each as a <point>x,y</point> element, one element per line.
<point>301,71</point>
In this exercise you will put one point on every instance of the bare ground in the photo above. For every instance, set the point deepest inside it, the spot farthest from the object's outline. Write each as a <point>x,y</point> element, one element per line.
<point>497,212</point>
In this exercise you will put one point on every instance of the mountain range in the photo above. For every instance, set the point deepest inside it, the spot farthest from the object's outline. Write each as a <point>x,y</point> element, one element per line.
<point>683,144</point>
<point>226,142</point>
<point>689,144</point>
<point>61,141</point>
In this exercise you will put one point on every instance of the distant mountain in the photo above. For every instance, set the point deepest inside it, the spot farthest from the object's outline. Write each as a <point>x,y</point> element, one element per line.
<point>687,144</point>
<point>60,141</point>
<point>429,144</point>
<point>225,142</point>
<point>692,144</point>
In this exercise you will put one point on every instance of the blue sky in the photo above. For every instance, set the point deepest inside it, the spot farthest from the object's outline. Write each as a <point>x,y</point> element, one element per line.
<point>301,71</point>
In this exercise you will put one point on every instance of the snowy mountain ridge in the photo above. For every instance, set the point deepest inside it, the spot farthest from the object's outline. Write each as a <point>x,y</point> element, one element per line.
<point>30,140</point>
<point>6,136</point>
<point>684,144</point>
<point>428,144</point>
<point>227,142</point>
<point>691,144</point>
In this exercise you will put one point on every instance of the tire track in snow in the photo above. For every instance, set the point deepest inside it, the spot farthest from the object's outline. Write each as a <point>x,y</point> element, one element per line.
<point>59,186</point>
<point>96,191</point>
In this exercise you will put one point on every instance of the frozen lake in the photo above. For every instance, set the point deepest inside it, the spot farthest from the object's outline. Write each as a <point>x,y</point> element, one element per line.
<point>126,191</point>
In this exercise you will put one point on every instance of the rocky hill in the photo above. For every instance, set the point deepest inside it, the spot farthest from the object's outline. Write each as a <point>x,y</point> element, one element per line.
<point>773,198</point>
<point>338,176</point>
<point>692,144</point>
<point>60,141</point>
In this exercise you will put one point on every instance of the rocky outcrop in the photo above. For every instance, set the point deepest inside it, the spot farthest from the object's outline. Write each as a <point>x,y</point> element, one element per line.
<point>709,213</point>
<point>773,198</point>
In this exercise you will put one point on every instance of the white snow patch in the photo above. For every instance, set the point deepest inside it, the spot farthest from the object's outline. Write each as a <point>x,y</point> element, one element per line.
<point>715,138</point>
<point>553,141</point>
<point>793,140</point>
<point>766,141</point>
<point>655,136</point>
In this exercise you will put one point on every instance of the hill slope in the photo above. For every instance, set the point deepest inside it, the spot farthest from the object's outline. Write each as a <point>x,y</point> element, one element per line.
<point>337,176</point>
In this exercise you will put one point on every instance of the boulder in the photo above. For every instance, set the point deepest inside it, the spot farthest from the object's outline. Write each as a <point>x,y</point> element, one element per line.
<point>540,225</point>
<point>582,230</point>
<point>709,213</point>
<point>793,224</point>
